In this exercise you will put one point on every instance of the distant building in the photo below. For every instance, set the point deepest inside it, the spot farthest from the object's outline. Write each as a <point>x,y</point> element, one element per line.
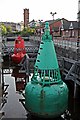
<point>22,25</point>
<point>26,17</point>
<point>14,26</point>
<point>33,23</point>
<point>18,27</point>
<point>61,28</point>
<point>69,29</point>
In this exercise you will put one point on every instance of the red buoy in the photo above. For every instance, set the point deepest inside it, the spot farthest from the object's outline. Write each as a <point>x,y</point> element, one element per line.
<point>19,50</point>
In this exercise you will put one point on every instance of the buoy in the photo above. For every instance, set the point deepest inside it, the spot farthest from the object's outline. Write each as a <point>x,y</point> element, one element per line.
<point>19,50</point>
<point>46,95</point>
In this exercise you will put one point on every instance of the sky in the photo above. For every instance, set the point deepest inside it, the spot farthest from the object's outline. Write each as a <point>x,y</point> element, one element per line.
<point>12,10</point>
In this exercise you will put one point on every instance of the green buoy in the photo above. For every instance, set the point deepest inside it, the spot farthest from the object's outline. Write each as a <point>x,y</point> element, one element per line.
<point>46,95</point>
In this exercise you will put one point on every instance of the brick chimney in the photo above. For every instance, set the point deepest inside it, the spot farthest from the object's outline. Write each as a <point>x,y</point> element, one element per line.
<point>26,17</point>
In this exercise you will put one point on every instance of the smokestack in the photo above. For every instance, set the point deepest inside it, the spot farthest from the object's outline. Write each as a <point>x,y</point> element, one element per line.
<point>26,17</point>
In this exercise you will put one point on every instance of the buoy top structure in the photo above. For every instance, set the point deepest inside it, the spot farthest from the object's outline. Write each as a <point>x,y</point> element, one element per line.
<point>46,95</point>
<point>46,62</point>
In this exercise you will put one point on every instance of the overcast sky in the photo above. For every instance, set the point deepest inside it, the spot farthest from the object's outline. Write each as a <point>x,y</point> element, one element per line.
<point>12,10</point>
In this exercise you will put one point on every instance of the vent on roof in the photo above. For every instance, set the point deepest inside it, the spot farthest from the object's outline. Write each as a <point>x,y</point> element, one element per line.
<point>71,26</point>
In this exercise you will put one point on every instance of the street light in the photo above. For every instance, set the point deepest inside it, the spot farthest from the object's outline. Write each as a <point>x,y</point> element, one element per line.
<point>40,22</point>
<point>53,14</point>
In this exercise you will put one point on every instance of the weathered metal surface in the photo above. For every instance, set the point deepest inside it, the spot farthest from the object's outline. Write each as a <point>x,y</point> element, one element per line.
<point>48,101</point>
<point>46,95</point>
<point>29,49</point>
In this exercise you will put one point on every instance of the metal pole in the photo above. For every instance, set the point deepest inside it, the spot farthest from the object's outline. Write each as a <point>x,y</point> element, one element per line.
<point>78,38</point>
<point>40,21</point>
<point>75,85</point>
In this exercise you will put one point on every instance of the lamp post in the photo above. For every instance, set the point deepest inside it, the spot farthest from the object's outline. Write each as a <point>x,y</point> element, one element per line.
<point>53,22</point>
<point>40,21</point>
<point>53,14</point>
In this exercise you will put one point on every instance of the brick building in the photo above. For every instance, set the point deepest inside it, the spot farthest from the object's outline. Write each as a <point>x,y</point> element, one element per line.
<point>62,28</point>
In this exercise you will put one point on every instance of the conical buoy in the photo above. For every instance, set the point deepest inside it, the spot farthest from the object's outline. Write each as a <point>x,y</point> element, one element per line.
<point>46,95</point>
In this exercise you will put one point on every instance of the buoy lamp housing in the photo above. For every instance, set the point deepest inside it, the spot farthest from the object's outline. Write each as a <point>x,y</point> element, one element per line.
<point>46,95</point>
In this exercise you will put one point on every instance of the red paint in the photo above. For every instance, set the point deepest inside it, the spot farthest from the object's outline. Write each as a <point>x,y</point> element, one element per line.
<point>19,50</point>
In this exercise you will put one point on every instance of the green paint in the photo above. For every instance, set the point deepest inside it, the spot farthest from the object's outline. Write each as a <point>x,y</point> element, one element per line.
<point>46,95</point>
